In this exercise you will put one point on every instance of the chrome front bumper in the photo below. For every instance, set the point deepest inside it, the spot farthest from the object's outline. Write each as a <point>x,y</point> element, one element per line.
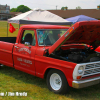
<point>85,83</point>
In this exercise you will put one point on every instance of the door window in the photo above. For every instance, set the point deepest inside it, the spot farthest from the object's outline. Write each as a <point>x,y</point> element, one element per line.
<point>28,36</point>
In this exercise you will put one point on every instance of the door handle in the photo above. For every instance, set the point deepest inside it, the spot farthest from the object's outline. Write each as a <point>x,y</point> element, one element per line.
<point>16,47</point>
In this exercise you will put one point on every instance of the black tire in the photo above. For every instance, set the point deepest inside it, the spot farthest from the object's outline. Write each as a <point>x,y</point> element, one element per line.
<point>1,65</point>
<point>57,82</point>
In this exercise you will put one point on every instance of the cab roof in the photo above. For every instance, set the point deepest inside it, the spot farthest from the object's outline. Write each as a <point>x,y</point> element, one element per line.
<point>42,26</point>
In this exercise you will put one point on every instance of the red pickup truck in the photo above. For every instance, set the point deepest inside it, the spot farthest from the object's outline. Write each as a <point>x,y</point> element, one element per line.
<point>65,56</point>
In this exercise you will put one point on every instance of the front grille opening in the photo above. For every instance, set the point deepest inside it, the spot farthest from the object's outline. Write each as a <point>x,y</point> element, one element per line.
<point>89,66</point>
<point>92,69</point>
<point>88,72</point>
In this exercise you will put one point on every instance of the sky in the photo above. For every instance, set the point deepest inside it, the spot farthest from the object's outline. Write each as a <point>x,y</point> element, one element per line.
<point>53,4</point>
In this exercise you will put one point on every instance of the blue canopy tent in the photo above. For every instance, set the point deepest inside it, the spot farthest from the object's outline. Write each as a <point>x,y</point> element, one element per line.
<point>80,18</point>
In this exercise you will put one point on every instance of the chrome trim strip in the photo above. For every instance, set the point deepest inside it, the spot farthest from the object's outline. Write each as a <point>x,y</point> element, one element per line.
<point>89,63</point>
<point>85,83</point>
<point>92,68</point>
<point>91,74</point>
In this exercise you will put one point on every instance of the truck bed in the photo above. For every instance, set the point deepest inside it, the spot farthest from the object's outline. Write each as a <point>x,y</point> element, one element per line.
<point>8,39</point>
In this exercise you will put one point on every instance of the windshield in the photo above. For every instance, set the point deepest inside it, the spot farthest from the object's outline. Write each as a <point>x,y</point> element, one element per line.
<point>49,36</point>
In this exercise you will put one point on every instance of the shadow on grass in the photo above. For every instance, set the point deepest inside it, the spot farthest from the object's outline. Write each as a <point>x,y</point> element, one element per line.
<point>89,93</point>
<point>22,76</point>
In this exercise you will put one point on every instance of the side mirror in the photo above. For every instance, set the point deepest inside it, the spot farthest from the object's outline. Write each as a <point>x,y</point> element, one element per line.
<point>27,44</point>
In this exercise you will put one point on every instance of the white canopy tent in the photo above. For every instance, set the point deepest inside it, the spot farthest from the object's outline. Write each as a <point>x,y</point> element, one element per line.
<point>38,17</point>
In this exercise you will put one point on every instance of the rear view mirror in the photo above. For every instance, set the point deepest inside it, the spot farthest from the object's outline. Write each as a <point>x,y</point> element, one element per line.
<point>27,44</point>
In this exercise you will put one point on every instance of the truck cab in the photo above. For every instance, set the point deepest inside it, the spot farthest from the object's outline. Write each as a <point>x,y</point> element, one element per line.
<point>32,41</point>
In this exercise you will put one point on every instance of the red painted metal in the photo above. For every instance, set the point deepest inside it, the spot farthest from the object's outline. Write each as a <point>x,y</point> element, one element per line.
<point>85,32</point>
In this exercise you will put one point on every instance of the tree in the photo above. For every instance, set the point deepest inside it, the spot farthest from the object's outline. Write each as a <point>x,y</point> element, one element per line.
<point>78,7</point>
<point>20,8</point>
<point>64,8</point>
<point>13,9</point>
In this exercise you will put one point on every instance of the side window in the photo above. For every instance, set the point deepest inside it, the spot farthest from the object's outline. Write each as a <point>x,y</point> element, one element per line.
<point>29,37</point>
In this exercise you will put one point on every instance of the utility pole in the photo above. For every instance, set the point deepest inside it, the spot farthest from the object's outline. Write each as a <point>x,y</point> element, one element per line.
<point>56,7</point>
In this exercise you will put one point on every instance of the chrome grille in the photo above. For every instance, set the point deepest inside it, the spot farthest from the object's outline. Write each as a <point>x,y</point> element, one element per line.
<point>92,69</point>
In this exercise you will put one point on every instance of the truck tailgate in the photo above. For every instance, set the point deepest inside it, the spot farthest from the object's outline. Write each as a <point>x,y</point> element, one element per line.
<point>6,56</point>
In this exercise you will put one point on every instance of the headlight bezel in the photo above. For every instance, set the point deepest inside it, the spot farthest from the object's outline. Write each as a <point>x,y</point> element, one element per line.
<point>80,70</point>
<point>76,72</point>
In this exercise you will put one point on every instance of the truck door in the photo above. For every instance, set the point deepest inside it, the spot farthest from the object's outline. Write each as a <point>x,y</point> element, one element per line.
<point>24,52</point>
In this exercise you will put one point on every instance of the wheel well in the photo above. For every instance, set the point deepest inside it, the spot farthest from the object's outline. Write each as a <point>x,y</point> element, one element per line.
<point>45,75</point>
<point>46,72</point>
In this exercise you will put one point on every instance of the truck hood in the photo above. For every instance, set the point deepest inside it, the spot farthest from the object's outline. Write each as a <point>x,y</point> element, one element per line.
<point>85,32</point>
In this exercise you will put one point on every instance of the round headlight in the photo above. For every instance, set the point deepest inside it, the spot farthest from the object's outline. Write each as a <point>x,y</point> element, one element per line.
<point>80,69</point>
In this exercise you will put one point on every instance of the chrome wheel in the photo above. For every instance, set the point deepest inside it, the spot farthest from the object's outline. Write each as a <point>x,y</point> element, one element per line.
<point>55,81</point>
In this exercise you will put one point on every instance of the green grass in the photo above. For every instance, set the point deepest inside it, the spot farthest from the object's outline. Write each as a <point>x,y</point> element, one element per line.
<point>3,29</point>
<point>12,80</point>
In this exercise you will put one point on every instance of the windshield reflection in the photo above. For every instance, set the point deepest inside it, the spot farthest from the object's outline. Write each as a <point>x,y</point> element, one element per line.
<point>49,36</point>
